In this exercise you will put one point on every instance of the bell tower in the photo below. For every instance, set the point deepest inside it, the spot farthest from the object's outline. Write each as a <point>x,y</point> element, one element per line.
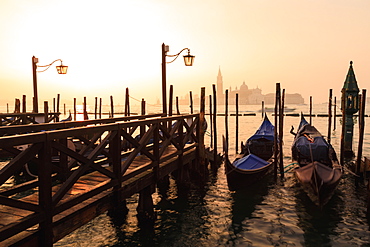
<point>220,88</point>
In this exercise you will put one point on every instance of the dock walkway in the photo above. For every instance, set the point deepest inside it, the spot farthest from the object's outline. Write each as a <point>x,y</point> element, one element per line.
<point>107,163</point>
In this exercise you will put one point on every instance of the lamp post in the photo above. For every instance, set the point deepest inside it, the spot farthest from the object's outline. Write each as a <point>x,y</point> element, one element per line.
<point>62,69</point>
<point>188,60</point>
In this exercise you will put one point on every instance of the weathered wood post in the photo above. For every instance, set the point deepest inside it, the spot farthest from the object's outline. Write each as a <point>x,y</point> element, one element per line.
<point>361,130</point>
<point>276,151</point>
<point>237,123</point>
<point>64,108</point>
<point>263,109</point>
<point>54,105</point>
<point>127,104</point>
<point>145,207</point>
<point>24,104</point>
<point>170,103</point>
<point>210,120</point>
<point>100,107</point>
<point>46,112</point>
<point>335,113</point>
<point>17,106</point>
<point>329,115</point>
<point>115,147</point>
<point>191,102</point>
<point>214,124</point>
<point>74,109</point>
<point>58,103</point>
<point>96,108</point>
<point>350,105</point>
<point>177,106</point>
<point>226,118</point>
<point>112,107</point>
<point>281,133</point>
<point>201,130</point>
<point>310,109</point>
<point>45,192</point>
<point>85,109</point>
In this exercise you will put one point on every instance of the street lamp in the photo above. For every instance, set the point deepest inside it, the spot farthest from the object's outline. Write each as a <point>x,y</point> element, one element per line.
<point>61,69</point>
<point>188,60</point>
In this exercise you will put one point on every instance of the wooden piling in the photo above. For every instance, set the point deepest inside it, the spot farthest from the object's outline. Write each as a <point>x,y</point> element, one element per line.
<point>46,112</point>
<point>226,118</point>
<point>201,132</point>
<point>191,102</point>
<point>263,109</point>
<point>214,123</point>
<point>142,106</point>
<point>7,107</point>
<point>85,109</point>
<point>58,102</point>
<point>210,120</point>
<point>177,106</point>
<point>236,123</point>
<point>127,103</point>
<point>281,132</point>
<point>277,99</point>
<point>329,115</point>
<point>96,108</point>
<point>24,109</point>
<point>145,205</point>
<point>17,106</point>
<point>310,109</point>
<point>170,101</point>
<point>335,113</point>
<point>112,107</point>
<point>64,108</point>
<point>74,109</point>
<point>100,107</point>
<point>54,105</point>
<point>361,130</point>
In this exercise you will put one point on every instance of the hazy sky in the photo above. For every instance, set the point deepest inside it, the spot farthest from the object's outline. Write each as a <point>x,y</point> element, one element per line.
<point>109,45</point>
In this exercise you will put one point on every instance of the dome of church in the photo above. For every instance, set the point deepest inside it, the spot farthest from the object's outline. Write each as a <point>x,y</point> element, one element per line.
<point>243,87</point>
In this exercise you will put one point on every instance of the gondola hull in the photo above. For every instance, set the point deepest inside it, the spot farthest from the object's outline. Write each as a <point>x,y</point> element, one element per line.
<point>319,171</point>
<point>319,181</point>
<point>254,162</point>
<point>238,179</point>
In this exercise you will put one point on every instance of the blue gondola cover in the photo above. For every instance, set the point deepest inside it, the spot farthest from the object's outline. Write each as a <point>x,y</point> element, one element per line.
<point>250,162</point>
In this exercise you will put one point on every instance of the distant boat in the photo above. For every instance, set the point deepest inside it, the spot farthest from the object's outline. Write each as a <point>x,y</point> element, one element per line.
<point>69,118</point>
<point>272,109</point>
<point>255,161</point>
<point>319,171</point>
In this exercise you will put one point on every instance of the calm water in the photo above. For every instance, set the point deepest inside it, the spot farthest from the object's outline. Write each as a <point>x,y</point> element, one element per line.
<point>266,215</point>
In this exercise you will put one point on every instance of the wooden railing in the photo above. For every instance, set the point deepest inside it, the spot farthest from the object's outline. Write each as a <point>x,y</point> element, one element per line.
<point>60,157</point>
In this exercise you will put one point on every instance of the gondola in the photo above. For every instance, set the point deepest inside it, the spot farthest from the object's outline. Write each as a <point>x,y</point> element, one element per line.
<point>319,171</point>
<point>255,160</point>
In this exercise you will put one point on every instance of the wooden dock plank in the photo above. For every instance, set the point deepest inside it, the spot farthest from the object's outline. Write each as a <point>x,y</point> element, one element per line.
<point>70,219</point>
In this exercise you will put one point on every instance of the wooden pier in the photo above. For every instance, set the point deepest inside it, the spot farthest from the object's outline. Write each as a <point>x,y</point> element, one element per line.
<point>82,169</point>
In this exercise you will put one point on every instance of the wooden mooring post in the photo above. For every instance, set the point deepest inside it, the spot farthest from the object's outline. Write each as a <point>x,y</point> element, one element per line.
<point>361,131</point>
<point>311,110</point>
<point>227,118</point>
<point>277,108</point>
<point>329,115</point>
<point>281,133</point>
<point>236,123</point>
<point>214,124</point>
<point>211,120</point>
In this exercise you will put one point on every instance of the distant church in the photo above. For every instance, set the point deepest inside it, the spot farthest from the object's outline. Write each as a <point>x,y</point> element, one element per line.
<point>251,96</point>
